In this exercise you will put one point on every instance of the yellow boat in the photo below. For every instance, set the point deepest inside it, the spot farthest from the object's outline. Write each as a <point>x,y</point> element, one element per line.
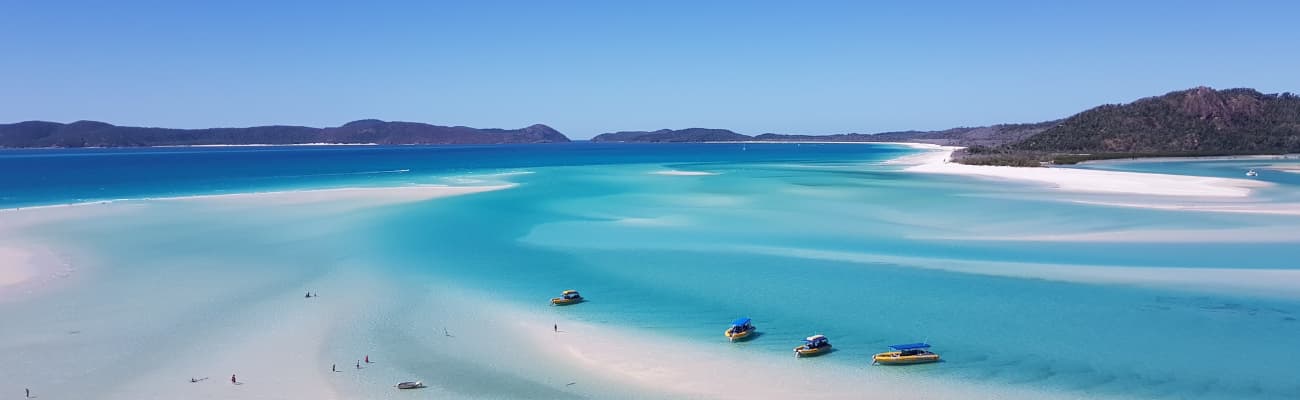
<point>740,329</point>
<point>815,345</point>
<point>567,297</point>
<point>905,354</point>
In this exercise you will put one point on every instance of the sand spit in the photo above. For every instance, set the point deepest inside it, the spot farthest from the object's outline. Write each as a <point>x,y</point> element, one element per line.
<point>936,161</point>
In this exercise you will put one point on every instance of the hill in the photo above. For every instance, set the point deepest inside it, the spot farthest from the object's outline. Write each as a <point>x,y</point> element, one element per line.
<point>99,134</point>
<point>1193,121</point>
<point>966,136</point>
<point>673,136</point>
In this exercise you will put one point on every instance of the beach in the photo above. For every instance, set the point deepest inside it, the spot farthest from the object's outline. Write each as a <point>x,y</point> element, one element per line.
<point>936,161</point>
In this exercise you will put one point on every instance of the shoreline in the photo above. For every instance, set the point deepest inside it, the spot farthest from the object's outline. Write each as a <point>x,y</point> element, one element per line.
<point>27,268</point>
<point>935,160</point>
<point>403,193</point>
<point>604,361</point>
<point>1260,157</point>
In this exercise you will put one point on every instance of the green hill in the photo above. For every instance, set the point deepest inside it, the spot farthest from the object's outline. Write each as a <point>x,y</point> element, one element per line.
<point>1197,121</point>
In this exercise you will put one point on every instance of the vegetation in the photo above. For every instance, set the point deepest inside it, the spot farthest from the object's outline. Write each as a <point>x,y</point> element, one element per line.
<point>1200,120</point>
<point>673,136</point>
<point>1194,122</point>
<point>1189,123</point>
<point>99,134</point>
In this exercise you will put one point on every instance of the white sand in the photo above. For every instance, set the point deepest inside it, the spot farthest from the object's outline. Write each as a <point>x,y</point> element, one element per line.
<point>17,265</point>
<point>715,369</point>
<point>673,172</point>
<point>278,349</point>
<point>1250,208</point>
<point>1292,168</point>
<point>27,268</point>
<point>1270,234</point>
<point>369,196</point>
<point>22,265</point>
<point>613,362</point>
<point>935,161</point>
<point>1270,282</point>
<point>280,346</point>
<point>361,196</point>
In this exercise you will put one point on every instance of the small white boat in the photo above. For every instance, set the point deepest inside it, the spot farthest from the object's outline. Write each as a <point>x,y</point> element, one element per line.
<point>410,385</point>
<point>1252,172</point>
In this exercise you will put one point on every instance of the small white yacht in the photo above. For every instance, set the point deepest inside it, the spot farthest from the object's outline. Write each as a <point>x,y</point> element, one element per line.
<point>1252,172</point>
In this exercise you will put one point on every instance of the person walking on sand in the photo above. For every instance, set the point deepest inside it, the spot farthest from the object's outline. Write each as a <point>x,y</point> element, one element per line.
<point>367,359</point>
<point>232,379</point>
<point>334,368</point>
<point>358,364</point>
<point>28,393</point>
<point>555,327</point>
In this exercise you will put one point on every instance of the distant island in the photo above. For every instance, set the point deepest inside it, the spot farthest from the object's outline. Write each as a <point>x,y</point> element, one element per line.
<point>369,131</point>
<point>1194,122</point>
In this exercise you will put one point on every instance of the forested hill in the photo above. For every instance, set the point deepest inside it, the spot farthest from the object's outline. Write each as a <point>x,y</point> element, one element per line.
<point>99,134</point>
<point>965,136</point>
<point>1200,120</point>
<point>670,135</point>
<point>1194,122</point>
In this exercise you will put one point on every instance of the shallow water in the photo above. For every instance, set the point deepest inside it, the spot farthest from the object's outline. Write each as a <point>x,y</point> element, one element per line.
<point>805,239</point>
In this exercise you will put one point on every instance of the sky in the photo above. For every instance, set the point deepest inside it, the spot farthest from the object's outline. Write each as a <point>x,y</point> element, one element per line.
<point>586,68</point>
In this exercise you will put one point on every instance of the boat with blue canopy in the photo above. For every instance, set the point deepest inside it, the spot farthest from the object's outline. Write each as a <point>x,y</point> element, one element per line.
<point>815,345</point>
<point>740,329</point>
<point>905,354</point>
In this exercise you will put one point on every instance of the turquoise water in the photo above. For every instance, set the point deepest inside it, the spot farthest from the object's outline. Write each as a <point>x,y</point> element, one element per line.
<point>803,238</point>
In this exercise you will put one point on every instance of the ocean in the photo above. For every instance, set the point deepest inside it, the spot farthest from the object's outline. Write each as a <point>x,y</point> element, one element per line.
<point>1015,285</point>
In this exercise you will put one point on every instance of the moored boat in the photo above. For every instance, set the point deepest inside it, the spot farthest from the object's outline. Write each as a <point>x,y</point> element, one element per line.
<point>1252,172</point>
<point>567,297</point>
<point>905,354</point>
<point>815,345</point>
<point>410,385</point>
<point>741,329</point>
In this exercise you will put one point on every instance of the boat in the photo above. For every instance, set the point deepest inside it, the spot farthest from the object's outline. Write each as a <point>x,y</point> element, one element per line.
<point>815,345</point>
<point>567,297</point>
<point>905,354</point>
<point>1252,172</point>
<point>740,329</point>
<point>410,385</point>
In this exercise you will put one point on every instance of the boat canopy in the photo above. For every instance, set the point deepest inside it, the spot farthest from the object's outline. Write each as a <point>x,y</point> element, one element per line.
<point>740,321</point>
<point>910,346</point>
<point>815,338</point>
<point>569,291</point>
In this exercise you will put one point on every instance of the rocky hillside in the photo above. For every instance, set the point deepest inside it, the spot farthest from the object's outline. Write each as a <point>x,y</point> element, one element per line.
<point>99,134</point>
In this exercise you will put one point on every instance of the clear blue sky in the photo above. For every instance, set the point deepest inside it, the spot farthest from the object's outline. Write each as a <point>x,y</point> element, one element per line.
<point>591,67</point>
